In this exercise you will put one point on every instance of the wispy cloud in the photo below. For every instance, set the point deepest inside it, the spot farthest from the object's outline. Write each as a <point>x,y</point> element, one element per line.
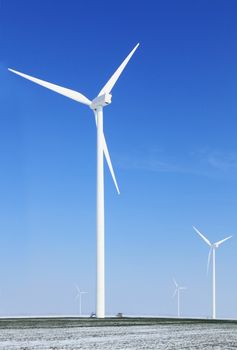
<point>201,162</point>
<point>223,161</point>
<point>148,163</point>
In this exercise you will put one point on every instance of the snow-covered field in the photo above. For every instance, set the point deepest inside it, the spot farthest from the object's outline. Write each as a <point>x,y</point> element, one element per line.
<point>206,336</point>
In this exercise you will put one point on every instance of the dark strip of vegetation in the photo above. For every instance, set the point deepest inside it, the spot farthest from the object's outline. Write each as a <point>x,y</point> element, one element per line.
<point>66,322</point>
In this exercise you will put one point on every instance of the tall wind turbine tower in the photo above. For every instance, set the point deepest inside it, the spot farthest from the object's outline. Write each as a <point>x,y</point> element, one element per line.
<point>177,291</point>
<point>212,251</point>
<point>97,104</point>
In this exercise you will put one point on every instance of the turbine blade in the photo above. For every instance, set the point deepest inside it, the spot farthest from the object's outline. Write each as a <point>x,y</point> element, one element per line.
<point>74,95</point>
<point>202,236</point>
<point>77,288</point>
<point>209,259</point>
<point>110,84</point>
<point>222,241</point>
<point>107,157</point>
<point>175,292</point>
<point>176,284</point>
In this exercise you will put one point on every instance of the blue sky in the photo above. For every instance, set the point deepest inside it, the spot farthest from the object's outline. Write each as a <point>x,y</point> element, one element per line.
<point>171,131</point>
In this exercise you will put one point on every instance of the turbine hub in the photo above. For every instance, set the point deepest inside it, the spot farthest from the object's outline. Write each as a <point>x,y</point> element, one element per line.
<point>101,101</point>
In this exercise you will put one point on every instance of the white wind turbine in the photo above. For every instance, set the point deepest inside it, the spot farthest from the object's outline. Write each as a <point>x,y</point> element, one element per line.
<point>212,251</point>
<point>177,291</point>
<point>79,295</point>
<point>97,104</point>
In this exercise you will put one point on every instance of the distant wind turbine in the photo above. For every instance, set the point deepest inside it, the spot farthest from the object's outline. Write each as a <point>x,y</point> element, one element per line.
<point>79,295</point>
<point>177,291</point>
<point>212,251</point>
<point>97,104</point>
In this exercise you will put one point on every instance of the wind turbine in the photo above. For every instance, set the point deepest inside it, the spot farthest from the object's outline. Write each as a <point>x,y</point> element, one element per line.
<point>97,105</point>
<point>177,291</point>
<point>79,295</point>
<point>212,251</point>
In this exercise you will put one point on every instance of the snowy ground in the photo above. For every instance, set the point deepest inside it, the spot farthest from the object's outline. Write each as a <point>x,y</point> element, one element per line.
<point>180,336</point>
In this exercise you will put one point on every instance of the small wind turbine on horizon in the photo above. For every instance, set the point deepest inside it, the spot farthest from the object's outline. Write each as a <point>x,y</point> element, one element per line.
<point>212,251</point>
<point>97,104</point>
<point>79,295</point>
<point>177,291</point>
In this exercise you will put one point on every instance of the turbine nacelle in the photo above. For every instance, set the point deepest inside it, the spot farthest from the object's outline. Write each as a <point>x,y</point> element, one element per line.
<point>101,101</point>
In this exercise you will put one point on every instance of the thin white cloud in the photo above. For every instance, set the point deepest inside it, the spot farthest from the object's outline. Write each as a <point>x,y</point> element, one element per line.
<point>201,162</point>
<point>223,161</point>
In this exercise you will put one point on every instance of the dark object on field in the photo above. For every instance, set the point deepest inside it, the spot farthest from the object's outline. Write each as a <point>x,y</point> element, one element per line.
<point>119,315</point>
<point>93,315</point>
